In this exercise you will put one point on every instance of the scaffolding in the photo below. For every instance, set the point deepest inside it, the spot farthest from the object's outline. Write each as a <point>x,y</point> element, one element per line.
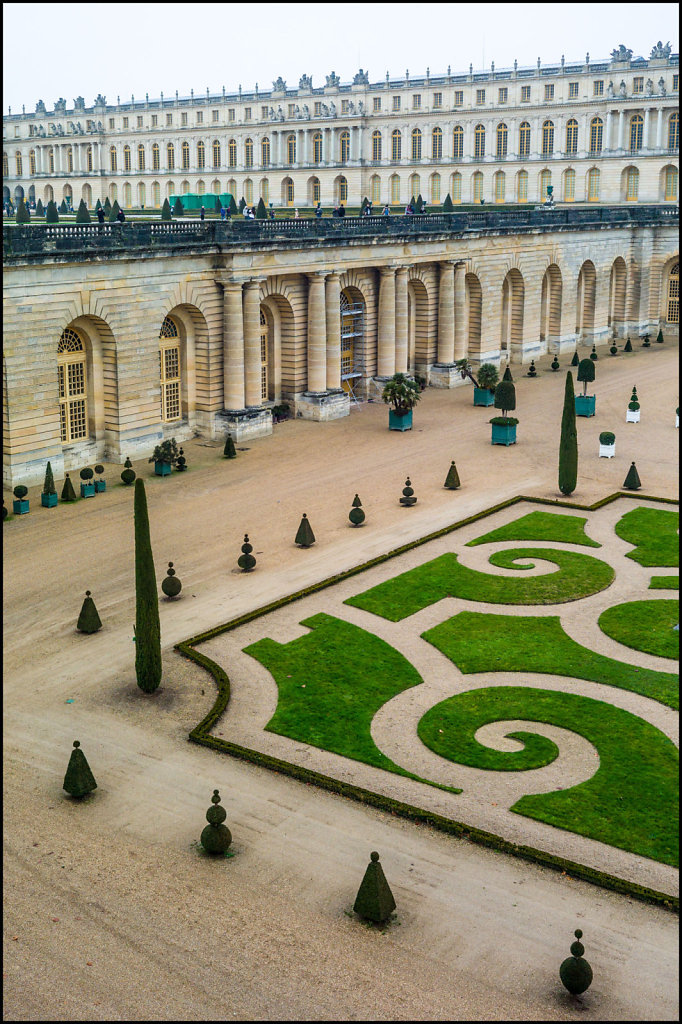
<point>352,361</point>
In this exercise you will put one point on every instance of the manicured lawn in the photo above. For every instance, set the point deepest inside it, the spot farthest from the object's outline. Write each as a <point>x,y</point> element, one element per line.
<point>475,642</point>
<point>631,801</point>
<point>646,626</point>
<point>548,526</point>
<point>664,583</point>
<point>331,682</point>
<point>654,532</point>
<point>578,575</point>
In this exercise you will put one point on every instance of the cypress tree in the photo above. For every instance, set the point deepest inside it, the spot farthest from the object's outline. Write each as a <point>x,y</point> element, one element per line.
<point>234,209</point>
<point>68,493</point>
<point>82,217</point>
<point>568,445</point>
<point>575,361</point>
<point>147,625</point>
<point>632,481</point>
<point>448,206</point>
<point>88,620</point>
<point>178,208</point>
<point>261,212</point>
<point>51,214</point>
<point>305,536</point>
<point>452,479</point>
<point>374,900</point>
<point>40,209</point>
<point>22,214</point>
<point>48,485</point>
<point>113,213</point>
<point>166,210</point>
<point>79,780</point>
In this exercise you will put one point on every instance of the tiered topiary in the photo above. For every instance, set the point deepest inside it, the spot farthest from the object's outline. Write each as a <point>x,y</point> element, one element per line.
<point>356,515</point>
<point>568,445</point>
<point>532,372</point>
<point>88,620</point>
<point>147,626</point>
<point>575,972</point>
<point>22,215</point>
<point>305,536</point>
<point>87,488</point>
<point>374,900</point>
<point>51,214</point>
<point>659,336</point>
<point>178,208</point>
<point>128,475</point>
<point>632,481</point>
<point>82,216</point>
<point>79,780</point>
<point>100,485</point>
<point>448,206</point>
<point>452,479</point>
<point>229,450</point>
<point>20,505</point>
<point>593,353</point>
<point>555,364</point>
<point>627,347</point>
<point>614,348</point>
<point>632,415</point>
<point>246,561</point>
<point>166,210</point>
<point>261,211</point>
<point>646,343</point>
<point>216,836</point>
<point>181,462</point>
<point>68,493</point>
<point>575,361</point>
<point>171,585</point>
<point>48,497</point>
<point>408,499</point>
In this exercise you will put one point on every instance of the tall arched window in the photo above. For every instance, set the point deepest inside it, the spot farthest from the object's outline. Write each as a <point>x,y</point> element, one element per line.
<point>265,190</point>
<point>88,159</point>
<point>674,132</point>
<point>141,195</point>
<point>69,160</point>
<point>416,144</point>
<point>265,153</point>
<point>631,184</point>
<point>32,162</point>
<point>156,194</point>
<point>140,157</point>
<point>343,190</point>
<point>5,166</point>
<point>289,192</point>
<point>414,186</point>
<point>479,141</point>
<point>671,178</point>
<point>50,160</point>
<point>524,139</point>
<point>547,138</point>
<point>395,188</point>
<point>456,187</point>
<point>248,153</point>
<point>201,155</point>
<point>317,148</point>
<point>396,145</point>
<point>170,371</point>
<point>375,187</point>
<point>248,191</point>
<point>156,157</point>
<point>170,156</point>
<point>500,184</point>
<point>376,145</point>
<point>185,156</point>
<point>501,141</point>
<point>344,147</point>
<point>291,149</point>
<point>435,189</point>
<point>673,310</point>
<point>522,187</point>
<point>112,158</point>
<point>232,153</point>
<point>216,154</point>
<point>569,186</point>
<point>636,132</point>
<point>596,134</point>
<point>593,181</point>
<point>316,190</point>
<point>457,143</point>
<point>571,137</point>
<point>436,144</point>
<point>127,160</point>
<point>264,333</point>
<point>477,189</point>
<point>127,195</point>
<point>545,182</point>
<point>73,387</point>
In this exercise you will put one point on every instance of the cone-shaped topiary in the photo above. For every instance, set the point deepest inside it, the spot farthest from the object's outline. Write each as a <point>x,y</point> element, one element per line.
<point>48,483</point>
<point>40,209</point>
<point>166,210</point>
<point>51,214</point>
<point>242,204</point>
<point>171,585</point>
<point>420,203</point>
<point>63,208</point>
<point>408,499</point>
<point>575,972</point>
<point>627,347</point>
<point>246,560</point>
<point>216,836</point>
<point>22,215</point>
<point>147,626</point>
<point>532,372</point>
<point>374,900</point>
<point>217,206</point>
<point>229,450</point>
<point>305,536</point>
<point>98,205</point>
<point>575,361</point>
<point>508,374</point>
<point>632,481</point>
<point>447,204</point>
<point>413,203</point>
<point>79,780</point>
<point>261,212</point>
<point>114,212</point>
<point>555,364</point>
<point>593,353</point>
<point>82,216</point>
<point>452,479</point>
<point>356,515</point>
<point>659,336</point>
<point>107,206</point>
<point>234,209</point>
<point>68,493</point>
<point>586,373</point>
<point>88,620</point>
<point>568,444</point>
<point>178,208</point>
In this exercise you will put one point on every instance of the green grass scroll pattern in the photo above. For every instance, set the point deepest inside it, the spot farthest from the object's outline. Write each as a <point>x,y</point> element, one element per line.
<point>631,800</point>
<point>647,626</point>
<point>664,583</point>
<point>477,642</point>
<point>654,532</point>
<point>578,576</point>
<point>330,684</point>
<point>541,526</point>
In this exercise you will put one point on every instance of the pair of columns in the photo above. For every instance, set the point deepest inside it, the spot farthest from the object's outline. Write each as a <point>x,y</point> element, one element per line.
<point>241,345</point>
<point>451,312</point>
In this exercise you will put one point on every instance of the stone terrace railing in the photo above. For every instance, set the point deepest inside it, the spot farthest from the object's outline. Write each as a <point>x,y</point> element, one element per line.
<point>45,240</point>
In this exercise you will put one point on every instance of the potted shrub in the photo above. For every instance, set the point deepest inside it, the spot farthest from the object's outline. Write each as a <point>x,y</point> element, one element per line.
<point>632,414</point>
<point>645,340</point>
<point>20,504</point>
<point>165,456</point>
<point>484,386</point>
<point>87,488</point>
<point>585,405</point>
<point>48,497</point>
<point>403,394</point>
<point>128,475</point>
<point>100,485</point>
<point>614,348</point>
<point>504,426</point>
<point>607,444</point>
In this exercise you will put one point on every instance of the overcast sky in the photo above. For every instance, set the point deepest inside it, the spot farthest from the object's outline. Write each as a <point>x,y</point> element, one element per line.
<point>52,50</point>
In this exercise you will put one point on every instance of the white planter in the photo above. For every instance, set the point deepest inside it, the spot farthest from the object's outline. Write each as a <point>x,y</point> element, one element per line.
<point>607,451</point>
<point>677,419</point>
<point>632,417</point>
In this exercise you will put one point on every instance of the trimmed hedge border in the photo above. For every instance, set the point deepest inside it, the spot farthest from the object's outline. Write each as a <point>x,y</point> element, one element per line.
<point>200,733</point>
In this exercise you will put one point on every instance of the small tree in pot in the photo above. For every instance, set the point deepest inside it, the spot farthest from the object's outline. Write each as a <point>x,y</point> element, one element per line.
<point>20,503</point>
<point>585,404</point>
<point>403,394</point>
<point>607,444</point>
<point>165,456</point>
<point>100,485</point>
<point>484,383</point>
<point>632,415</point>
<point>87,488</point>
<point>48,497</point>
<point>504,426</point>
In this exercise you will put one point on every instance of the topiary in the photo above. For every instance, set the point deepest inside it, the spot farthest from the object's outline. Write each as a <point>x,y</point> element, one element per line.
<point>147,626</point>
<point>82,216</point>
<point>166,452</point>
<point>420,203</point>
<point>356,515</point>
<point>217,206</point>
<point>305,536</point>
<point>79,780</point>
<point>22,215</point>
<point>107,205</point>
<point>555,364</point>
<point>99,470</point>
<point>374,900</point>
<point>645,340</point>
<point>607,437</point>
<point>632,481</point>
<point>63,208</point>
<point>261,212</point>
<point>568,444</point>
<point>114,212</point>
<point>408,499</point>
<point>586,373</point>
<point>178,208</point>
<point>532,372</point>
<point>659,336</point>
<point>86,474</point>
<point>98,205</point>
<point>628,345</point>
<point>51,214</point>
<point>246,560</point>
<point>171,585</point>
<point>166,211</point>
<point>88,620</point>
<point>593,353</point>
<point>507,376</point>
<point>242,204</point>
<point>68,493</point>
<point>40,209</point>
<point>614,349</point>
<point>575,360</point>
<point>633,405</point>
<point>229,450</point>
<point>128,475</point>
<point>48,483</point>
<point>234,209</point>
<point>452,479</point>
<point>216,836</point>
<point>181,462</point>
<point>576,973</point>
<point>20,492</point>
<point>447,204</point>
<point>505,396</point>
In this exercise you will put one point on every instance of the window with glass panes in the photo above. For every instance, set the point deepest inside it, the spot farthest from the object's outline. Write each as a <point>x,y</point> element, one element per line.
<point>265,152</point>
<point>376,145</point>
<point>185,156</point>
<point>549,91</point>
<point>125,122</point>
<point>127,195</point>
<point>88,159</point>
<point>169,370</point>
<point>436,144</point>
<point>248,153</point>
<point>215,115</point>
<point>112,158</point>
<point>416,101</point>
<point>502,95</point>
<point>375,189</point>
<point>376,104</point>
<point>50,160</point>
<point>72,377</point>
<point>231,114</point>
<point>459,97</point>
<point>216,153</point>
<point>636,132</point>
<point>573,90</point>
<point>437,100</point>
<point>127,163</point>
<point>345,106</point>
<point>631,184</point>
<point>500,183</point>
<point>524,139</point>
<point>572,136</point>
<point>599,88</point>
<point>547,138</point>
<point>139,122</point>
<point>291,149</point>
<point>396,145</point>
<point>156,194</point>
<point>480,97</point>
<point>264,113</point>
<point>637,85</point>
<point>247,113</point>
<point>523,187</point>
<point>569,186</point>
<point>545,182</point>
<point>525,94</point>
<point>593,185</point>
<point>170,156</point>
<point>343,190</point>
<point>263,357</point>
<point>457,142</point>
<point>292,109</point>
<point>479,141</point>
<point>396,103</point>
<point>32,162</point>
<point>435,188</point>
<point>156,157</point>
<point>265,190</point>
<point>671,183</point>
<point>200,117</point>
<point>501,141</point>
<point>477,187</point>
<point>676,83</point>
<point>674,131</point>
<point>596,134</point>
<point>248,191</point>
<point>316,190</point>
<point>232,153</point>
<point>317,148</point>
<point>673,312</point>
<point>416,144</point>
<point>69,160</point>
<point>140,158</point>
<point>344,147</point>
<point>183,119</point>
<point>201,155</point>
<point>169,120</point>
<point>290,192</point>
<point>456,187</point>
<point>5,165</point>
<point>395,188</point>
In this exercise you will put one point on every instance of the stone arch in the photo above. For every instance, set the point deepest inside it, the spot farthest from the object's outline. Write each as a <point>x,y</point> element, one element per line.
<point>5,193</point>
<point>668,184</point>
<point>513,294</point>
<point>31,193</point>
<point>361,287</point>
<point>669,294</point>
<point>617,297</point>
<point>200,369</point>
<point>67,193</point>
<point>419,355</point>
<point>48,194</point>
<point>550,307</point>
<point>340,189</point>
<point>288,194</point>
<point>586,302</point>
<point>287,373</point>
<point>473,311</point>
<point>313,181</point>
<point>102,383</point>
<point>18,194</point>
<point>86,195</point>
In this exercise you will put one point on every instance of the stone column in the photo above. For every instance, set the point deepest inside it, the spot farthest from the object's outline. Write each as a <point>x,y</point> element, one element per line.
<point>332,296</point>
<point>317,339</point>
<point>446,317</point>
<point>252,353</point>
<point>621,129</point>
<point>460,311</point>
<point>401,323</point>
<point>233,347</point>
<point>607,131</point>
<point>386,326</point>
<point>645,130</point>
<point>659,129</point>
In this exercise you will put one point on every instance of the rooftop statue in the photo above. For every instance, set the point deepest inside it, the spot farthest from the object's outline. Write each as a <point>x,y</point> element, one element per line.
<point>362,78</point>
<point>305,82</point>
<point>40,107</point>
<point>660,51</point>
<point>622,89</point>
<point>279,85</point>
<point>622,53</point>
<point>333,80</point>
<point>79,103</point>
<point>60,104</point>
<point>101,101</point>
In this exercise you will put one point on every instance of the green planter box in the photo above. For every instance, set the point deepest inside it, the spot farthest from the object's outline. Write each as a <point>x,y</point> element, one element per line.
<point>87,490</point>
<point>396,422</point>
<point>100,486</point>
<point>49,500</point>
<point>162,468</point>
<point>585,405</point>
<point>483,396</point>
<point>20,506</point>
<point>503,435</point>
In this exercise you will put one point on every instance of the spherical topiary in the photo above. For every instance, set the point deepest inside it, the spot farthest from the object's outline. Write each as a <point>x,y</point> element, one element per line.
<point>593,353</point>
<point>246,560</point>
<point>555,364</point>
<point>86,474</point>
<point>575,972</point>
<point>20,492</point>
<point>171,585</point>
<point>614,349</point>
<point>216,836</point>
<point>99,469</point>
<point>607,437</point>
<point>356,515</point>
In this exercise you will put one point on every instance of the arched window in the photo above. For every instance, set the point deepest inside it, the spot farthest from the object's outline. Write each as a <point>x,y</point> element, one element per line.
<point>674,131</point>
<point>636,132</point>
<point>170,156</point>
<point>185,188</point>
<point>248,152</point>
<point>156,194</point>
<point>457,143</point>
<point>416,144</point>
<point>375,189</point>
<point>291,149</point>
<point>170,371</point>
<point>376,145</point>
<point>479,141</point>
<point>571,137</point>
<point>316,190</point>
<point>596,134</point>
<point>435,189</point>
<point>500,185</point>
<point>50,160</point>
<point>112,158</point>
<point>289,192</point>
<point>127,161</point>
<point>317,148</point>
<point>477,189</point>
<point>671,183</point>
<point>248,191</point>
<point>140,157</point>
<point>156,157</point>
<point>5,166</point>
<point>395,188</point>
<point>631,184</point>
<point>593,185</point>
<point>456,187</point>
<point>32,162</point>
<point>201,155</point>
<point>216,154</point>
<point>547,138</point>
<point>88,158</point>
<point>673,311</point>
<point>569,186</point>
<point>201,187</point>
<point>185,156</point>
<point>545,182</point>
<point>69,160</point>
<point>436,144</point>
<point>263,356</point>
<point>344,147</point>
<point>141,195</point>
<point>343,190</point>
<point>396,145</point>
<point>265,153</point>
<point>232,153</point>
<point>127,195</point>
<point>501,141</point>
<point>414,186</point>
<point>73,387</point>
<point>265,190</point>
<point>524,139</point>
<point>523,187</point>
